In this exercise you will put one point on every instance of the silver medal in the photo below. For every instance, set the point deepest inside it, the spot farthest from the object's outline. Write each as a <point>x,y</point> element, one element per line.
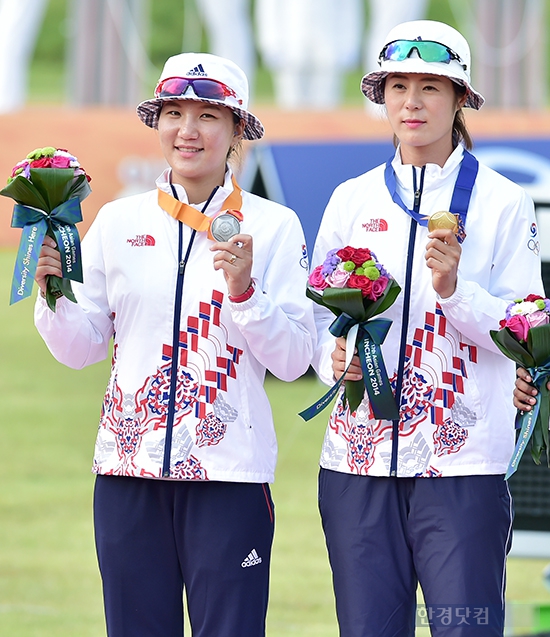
<point>224,227</point>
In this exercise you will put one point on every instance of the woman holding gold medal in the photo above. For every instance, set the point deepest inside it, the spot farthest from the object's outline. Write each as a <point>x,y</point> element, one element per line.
<point>422,499</point>
<point>199,285</point>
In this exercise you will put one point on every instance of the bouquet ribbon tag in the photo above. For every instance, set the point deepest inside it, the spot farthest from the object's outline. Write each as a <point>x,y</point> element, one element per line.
<point>527,420</point>
<point>367,336</point>
<point>351,339</point>
<point>35,224</point>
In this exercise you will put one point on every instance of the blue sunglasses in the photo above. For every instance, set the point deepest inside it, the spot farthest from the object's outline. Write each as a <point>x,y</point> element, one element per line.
<point>429,51</point>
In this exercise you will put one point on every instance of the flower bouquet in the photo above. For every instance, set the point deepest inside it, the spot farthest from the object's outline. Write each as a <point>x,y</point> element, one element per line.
<point>47,186</point>
<point>524,337</point>
<point>356,287</point>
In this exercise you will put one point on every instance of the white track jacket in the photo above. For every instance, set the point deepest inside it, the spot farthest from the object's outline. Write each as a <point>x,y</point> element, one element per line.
<point>456,412</point>
<point>185,398</point>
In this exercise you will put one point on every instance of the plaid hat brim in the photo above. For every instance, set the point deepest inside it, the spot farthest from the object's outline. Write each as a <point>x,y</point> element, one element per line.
<point>149,111</point>
<point>372,86</point>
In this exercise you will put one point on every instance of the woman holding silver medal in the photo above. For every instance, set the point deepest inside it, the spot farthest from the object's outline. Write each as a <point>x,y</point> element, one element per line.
<point>199,283</point>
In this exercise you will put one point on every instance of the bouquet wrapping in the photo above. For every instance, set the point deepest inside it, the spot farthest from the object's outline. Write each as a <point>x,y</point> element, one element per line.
<point>524,337</point>
<point>353,285</point>
<point>47,186</point>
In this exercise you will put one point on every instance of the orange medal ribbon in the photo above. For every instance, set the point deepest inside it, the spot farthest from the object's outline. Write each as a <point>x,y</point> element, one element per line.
<point>194,218</point>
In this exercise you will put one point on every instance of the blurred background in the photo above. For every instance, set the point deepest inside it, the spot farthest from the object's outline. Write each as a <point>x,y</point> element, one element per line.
<point>84,52</point>
<point>71,74</point>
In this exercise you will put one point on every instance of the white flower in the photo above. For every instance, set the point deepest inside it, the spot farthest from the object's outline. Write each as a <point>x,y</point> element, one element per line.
<point>524,308</point>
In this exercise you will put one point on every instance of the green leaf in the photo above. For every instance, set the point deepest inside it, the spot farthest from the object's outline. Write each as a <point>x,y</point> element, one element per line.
<point>538,342</point>
<point>55,287</point>
<point>537,442</point>
<point>354,391</point>
<point>25,193</point>
<point>49,188</point>
<point>543,418</point>
<point>314,295</point>
<point>351,301</point>
<point>78,188</point>
<point>347,300</point>
<point>508,344</point>
<point>52,184</point>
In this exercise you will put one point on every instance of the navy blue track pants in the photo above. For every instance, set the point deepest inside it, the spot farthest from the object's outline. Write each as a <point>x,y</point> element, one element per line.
<point>155,537</point>
<point>386,535</point>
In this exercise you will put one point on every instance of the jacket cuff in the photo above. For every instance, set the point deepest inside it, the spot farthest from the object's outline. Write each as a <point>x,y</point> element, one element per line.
<point>456,297</point>
<point>249,303</point>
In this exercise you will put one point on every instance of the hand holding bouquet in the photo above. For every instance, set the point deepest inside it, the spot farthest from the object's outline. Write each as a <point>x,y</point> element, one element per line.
<point>356,287</point>
<point>524,337</point>
<point>47,186</point>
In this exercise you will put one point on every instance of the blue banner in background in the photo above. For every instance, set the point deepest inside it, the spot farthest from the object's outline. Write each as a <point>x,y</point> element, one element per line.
<point>304,175</point>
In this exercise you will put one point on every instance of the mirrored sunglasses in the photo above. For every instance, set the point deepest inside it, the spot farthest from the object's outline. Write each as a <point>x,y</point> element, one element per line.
<point>204,88</point>
<point>429,51</point>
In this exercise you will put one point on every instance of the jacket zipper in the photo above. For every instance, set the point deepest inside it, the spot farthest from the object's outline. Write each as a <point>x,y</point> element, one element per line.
<point>182,264</point>
<point>406,314</point>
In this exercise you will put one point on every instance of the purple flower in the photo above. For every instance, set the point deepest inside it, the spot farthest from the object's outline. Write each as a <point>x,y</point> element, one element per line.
<point>382,270</point>
<point>508,313</point>
<point>330,262</point>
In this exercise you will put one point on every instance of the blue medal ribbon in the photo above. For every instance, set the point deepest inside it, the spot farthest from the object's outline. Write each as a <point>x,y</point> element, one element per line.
<point>460,200</point>
<point>528,420</point>
<point>370,335</point>
<point>35,224</point>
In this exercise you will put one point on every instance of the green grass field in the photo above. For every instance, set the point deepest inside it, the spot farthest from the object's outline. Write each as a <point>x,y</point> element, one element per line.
<point>49,583</point>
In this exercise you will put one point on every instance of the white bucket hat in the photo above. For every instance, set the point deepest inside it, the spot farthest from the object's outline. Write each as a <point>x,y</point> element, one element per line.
<point>457,68</point>
<point>228,87</point>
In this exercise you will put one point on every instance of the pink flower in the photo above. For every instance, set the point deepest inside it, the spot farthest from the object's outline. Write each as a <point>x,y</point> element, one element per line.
<point>519,326</point>
<point>21,165</point>
<point>316,279</point>
<point>59,161</point>
<point>537,318</point>
<point>338,278</point>
<point>378,287</point>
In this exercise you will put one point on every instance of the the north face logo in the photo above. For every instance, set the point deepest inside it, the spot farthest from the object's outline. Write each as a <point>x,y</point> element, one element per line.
<point>375,225</point>
<point>142,240</point>
<point>198,70</point>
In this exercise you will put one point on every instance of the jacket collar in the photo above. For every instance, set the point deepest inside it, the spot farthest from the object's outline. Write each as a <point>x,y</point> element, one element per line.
<point>433,172</point>
<point>163,182</point>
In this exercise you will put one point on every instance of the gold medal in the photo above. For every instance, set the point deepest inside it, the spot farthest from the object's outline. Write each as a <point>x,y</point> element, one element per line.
<point>443,219</point>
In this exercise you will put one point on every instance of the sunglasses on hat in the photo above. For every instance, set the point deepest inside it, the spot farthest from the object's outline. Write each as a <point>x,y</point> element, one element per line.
<point>204,88</point>
<point>429,51</point>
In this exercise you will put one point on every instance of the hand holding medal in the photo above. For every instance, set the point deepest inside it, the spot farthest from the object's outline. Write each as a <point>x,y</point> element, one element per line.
<point>443,252</point>
<point>443,220</point>
<point>233,254</point>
